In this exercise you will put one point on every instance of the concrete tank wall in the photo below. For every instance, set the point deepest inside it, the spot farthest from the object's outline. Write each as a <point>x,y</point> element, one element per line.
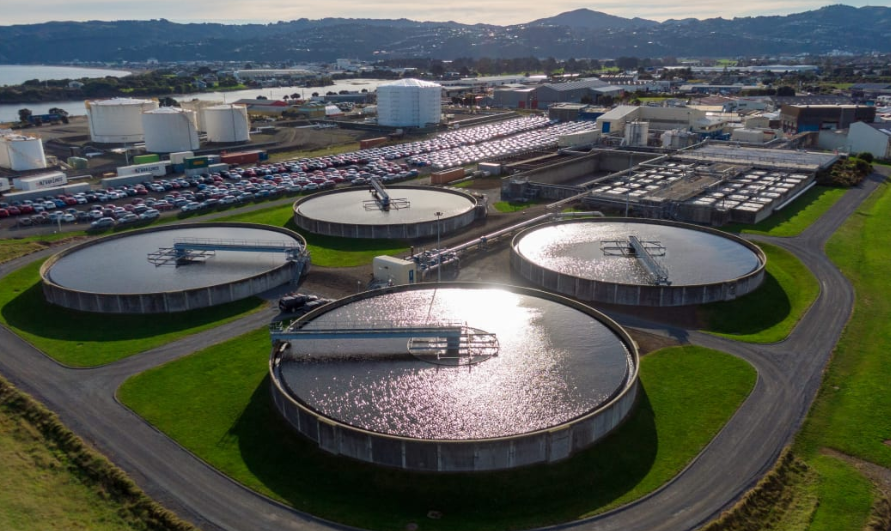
<point>169,301</point>
<point>637,294</point>
<point>543,446</point>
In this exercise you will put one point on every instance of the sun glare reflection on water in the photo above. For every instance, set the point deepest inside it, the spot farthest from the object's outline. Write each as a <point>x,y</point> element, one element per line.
<point>554,364</point>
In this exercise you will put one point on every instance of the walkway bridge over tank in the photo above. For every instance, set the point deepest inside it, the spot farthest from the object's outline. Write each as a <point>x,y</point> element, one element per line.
<point>446,343</point>
<point>196,250</point>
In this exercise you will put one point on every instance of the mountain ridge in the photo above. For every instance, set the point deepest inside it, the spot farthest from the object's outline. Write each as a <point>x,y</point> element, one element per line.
<point>578,33</point>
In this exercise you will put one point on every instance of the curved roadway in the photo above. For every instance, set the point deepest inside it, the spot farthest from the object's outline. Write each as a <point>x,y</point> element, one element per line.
<point>789,375</point>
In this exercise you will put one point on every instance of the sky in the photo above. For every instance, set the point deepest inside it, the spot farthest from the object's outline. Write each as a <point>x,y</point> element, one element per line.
<point>500,12</point>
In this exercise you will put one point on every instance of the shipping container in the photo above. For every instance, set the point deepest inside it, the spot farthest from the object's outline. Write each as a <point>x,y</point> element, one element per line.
<point>4,184</point>
<point>580,138</point>
<point>146,159</point>
<point>41,181</point>
<point>369,143</point>
<point>156,169</point>
<point>493,168</point>
<point>447,176</point>
<point>196,162</point>
<point>180,157</point>
<point>242,157</point>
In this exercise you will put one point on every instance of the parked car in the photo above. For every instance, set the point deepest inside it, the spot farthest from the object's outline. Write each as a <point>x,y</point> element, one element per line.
<point>150,214</point>
<point>102,223</point>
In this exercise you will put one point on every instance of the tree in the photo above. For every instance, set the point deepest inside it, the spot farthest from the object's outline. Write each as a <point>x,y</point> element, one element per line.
<point>24,115</point>
<point>261,97</point>
<point>785,90</point>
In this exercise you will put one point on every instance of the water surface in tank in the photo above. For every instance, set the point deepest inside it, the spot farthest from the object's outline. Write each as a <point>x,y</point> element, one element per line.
<point>349,207</point>
<point>121,266</point>
<point>690,256</point>
<point>554,363</point>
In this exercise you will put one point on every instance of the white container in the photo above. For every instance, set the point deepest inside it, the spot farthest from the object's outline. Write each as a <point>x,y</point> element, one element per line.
<point>118,120</point>
<point>180,158</point>
<point>397,270</point>
<point>41,181</point>
<point>227,123</point>
<point>169,130</point>
<point>21,153</point>
<point>409,103</point>
<point>155,169</point>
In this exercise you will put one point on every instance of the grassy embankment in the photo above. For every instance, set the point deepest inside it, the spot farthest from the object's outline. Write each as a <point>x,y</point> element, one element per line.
<point>771,312</point>
<point>326,251</point>
<point>83,339</point>
<point>51,480</point>
<point>14,248</point>
<point>796,217</point>
<point>850,414</point>
<point>217,404</point>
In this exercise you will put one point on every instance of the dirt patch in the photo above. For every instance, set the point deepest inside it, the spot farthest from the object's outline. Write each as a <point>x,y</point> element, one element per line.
<point>879,475</point>
<point>647,342</point>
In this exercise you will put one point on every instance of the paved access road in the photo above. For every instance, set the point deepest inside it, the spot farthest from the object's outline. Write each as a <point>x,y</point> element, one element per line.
<point>789,376</point>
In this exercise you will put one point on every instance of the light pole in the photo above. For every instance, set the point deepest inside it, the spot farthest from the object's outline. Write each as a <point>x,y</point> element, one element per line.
<point>438,250</point>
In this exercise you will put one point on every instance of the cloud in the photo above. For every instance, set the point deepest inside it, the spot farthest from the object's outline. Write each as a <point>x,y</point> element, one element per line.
<point>499,12</point>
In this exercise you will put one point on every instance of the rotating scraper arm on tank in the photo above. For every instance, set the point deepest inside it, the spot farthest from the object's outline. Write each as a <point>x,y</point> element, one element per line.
<point>644,251</point>
<point>199,249</point>
<point>382,200</point>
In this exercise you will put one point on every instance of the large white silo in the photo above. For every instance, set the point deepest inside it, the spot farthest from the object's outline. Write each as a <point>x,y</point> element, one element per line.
<point>118,120</point>
<point>198,106</point>
<point>169,130</point>
<point>21,152</point>
<point>227,123</point>
<point>409,103</point>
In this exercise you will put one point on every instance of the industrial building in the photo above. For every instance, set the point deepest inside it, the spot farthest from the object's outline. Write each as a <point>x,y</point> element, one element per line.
<point>714,183</point>
<point>872,138</point>
<point>170,129</point>
<point>409,103</point>
<point>118,120</point>
<point>21,152</point>
<point>803,118</point>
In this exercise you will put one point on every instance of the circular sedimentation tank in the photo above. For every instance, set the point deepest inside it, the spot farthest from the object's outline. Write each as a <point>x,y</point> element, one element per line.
<point>141,272</point>
<point>454,377</point>
<point>355,213</point>
<point>637,262</point>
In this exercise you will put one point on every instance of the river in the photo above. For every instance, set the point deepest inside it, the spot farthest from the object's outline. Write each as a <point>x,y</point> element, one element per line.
<point>10,112</point>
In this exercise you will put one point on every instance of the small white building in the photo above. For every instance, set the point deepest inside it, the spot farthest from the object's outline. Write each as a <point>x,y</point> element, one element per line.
<point>409,103</point>
<point>874,138</point>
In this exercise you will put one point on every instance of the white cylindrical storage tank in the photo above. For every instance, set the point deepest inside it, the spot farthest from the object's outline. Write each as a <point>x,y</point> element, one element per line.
<point>636,133</point>
<point>118,120</point>
<point>170,129</point>
<point>198,106</point>
<point>409,103</point>
<point>21,153</point>
<point>227,123</point>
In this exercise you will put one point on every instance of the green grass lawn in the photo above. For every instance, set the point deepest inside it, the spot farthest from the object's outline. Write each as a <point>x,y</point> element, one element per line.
<point>851,411</point>
<point>83,339</point>
<point>796,217</point>
<point>14,248</point>
<point>217,404</point>
<point>505,206</point>
<point>326,251</point>
<point>771,312</point>
<point>844,496</point>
